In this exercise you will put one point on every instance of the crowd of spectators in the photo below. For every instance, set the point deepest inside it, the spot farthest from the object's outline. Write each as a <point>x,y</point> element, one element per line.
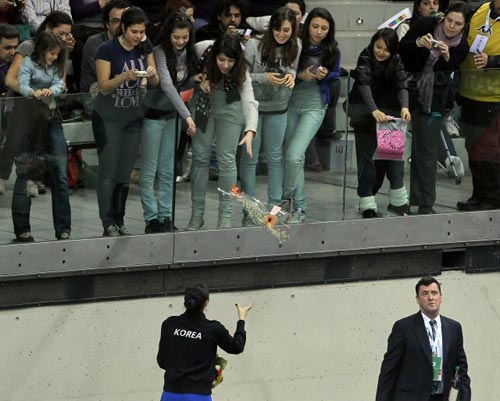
<point>265,76</point>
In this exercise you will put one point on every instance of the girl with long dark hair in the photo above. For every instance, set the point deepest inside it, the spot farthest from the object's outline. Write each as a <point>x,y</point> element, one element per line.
<point>125,66</point>
<point>176,62</point>
<point>229,107</point>
<point>273,64</point>
<point>319,63</point>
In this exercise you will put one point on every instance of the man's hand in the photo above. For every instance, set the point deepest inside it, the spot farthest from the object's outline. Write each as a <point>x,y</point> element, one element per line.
<point>480,60</point>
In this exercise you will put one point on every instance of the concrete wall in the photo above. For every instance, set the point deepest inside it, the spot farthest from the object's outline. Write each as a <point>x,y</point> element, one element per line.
<point>310,343</point>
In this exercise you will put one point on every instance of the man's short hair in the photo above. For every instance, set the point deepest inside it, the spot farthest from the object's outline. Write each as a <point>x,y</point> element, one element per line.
<point>425,282</point>
<point>120,4</point>
<point>8,32</point>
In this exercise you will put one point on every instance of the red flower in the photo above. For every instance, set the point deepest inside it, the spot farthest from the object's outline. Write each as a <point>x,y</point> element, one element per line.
<point>271,220</point>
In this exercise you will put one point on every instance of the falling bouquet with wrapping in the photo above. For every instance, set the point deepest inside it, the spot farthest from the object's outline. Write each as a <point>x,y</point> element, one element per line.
<point>258,212</point>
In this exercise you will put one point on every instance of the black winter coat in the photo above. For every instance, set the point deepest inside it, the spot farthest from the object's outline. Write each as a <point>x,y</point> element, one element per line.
<point>385,81</point>
<point>447,73</point>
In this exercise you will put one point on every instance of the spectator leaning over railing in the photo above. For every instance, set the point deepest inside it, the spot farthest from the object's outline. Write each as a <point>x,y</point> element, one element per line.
<point>273,62</point>
<point>225,106</point>
<point>480,99</point>
<point>41,81</point>
<point>176,62</point>
<point>379,92</point>
<point>432,52</point>
<point>60,24</point>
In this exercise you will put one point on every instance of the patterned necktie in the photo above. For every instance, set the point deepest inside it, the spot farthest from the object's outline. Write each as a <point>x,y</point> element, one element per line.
<point>436,385</point>
<point>433,324</point>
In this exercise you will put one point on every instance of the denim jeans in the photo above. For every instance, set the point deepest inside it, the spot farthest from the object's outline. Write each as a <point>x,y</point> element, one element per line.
<point>371,172</point>
<point>271,130</point>
<point>227,136</point>
<point>157,159</point>
<point>302,125</point>
<point>117,148</point>
<point>57,157</point>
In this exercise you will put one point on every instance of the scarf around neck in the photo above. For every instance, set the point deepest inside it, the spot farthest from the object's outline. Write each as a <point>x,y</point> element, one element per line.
<point>426,82</point>
<point>324,86</point>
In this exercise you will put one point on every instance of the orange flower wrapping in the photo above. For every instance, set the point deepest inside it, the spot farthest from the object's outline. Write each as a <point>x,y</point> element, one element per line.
<point>271,220</point>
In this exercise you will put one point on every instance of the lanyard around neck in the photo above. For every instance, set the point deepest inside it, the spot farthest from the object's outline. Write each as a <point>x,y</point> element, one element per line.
<point>487,25</point>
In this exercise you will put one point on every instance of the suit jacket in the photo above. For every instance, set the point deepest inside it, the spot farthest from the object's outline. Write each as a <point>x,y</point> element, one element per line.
<point>406,372</point>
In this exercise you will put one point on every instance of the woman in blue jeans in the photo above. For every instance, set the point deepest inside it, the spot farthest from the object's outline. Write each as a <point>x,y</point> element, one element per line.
<point>225,106</point>
<point>23,127</point>
<point>125,66</point>
<point>176,62</point>
<point>319,63</point>
<point>273,66</point>
<point>56,164</point>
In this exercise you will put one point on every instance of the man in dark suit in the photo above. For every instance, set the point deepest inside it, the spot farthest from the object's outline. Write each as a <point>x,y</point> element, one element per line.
<point>416,344</point>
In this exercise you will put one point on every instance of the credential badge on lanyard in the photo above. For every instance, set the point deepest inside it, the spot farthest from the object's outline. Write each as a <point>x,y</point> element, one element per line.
<point>484,33</point>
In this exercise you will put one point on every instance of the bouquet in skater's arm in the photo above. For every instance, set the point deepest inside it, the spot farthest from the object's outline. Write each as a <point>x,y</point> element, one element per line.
<point>258,212</point>
<point>220,365</point>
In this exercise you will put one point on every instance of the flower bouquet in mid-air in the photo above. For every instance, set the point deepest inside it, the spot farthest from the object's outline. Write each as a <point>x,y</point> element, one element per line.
<point>259,212</point>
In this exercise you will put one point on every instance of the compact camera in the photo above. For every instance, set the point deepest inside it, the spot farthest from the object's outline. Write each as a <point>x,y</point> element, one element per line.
<point>241,33</point>
<point>142,74</point>
<point>435,44</point>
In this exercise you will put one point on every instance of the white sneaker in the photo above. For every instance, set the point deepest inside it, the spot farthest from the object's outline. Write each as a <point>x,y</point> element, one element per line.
<point>2,186</point>
<point>459,166</point>
<point>451,127</point>
<point>32,188</point>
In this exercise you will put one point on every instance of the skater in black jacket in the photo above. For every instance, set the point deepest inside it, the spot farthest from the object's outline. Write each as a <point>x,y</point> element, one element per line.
<point>188,348</point>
